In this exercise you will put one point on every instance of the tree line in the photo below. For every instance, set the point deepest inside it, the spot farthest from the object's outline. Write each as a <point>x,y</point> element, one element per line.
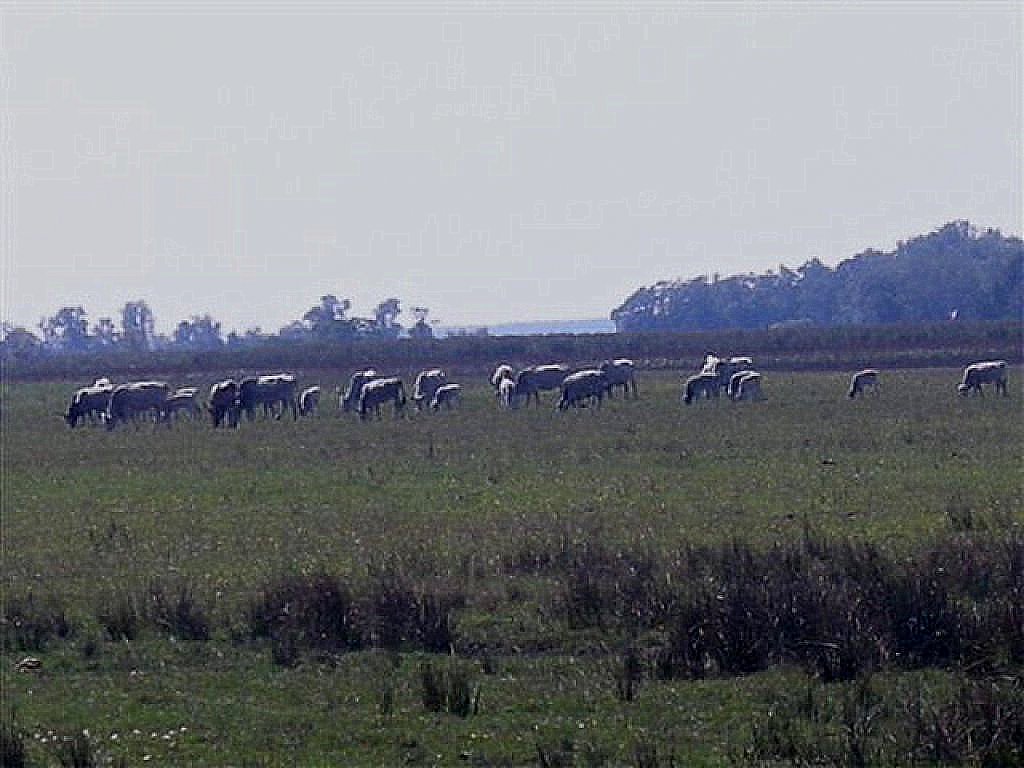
<point>68,330</point>
<point>953,273</point>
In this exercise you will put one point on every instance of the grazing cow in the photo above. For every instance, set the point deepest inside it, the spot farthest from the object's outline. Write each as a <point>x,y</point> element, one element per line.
<point>309,400</point>
<point>426,384</point>
<point>583,387</point>
<point>224,403</point>
<point>725,369</point>
<point>703,384</point>
<point>349,399</point>
<point>127,401</point>
<point>862,381</point>
<point>502,372</point>
<point>88,401</point>
<point>531,381</point>
<point>987,372</point>
<point>620,373</point>
<point>448,395</point>
<point>184,399</point>
<point>507,393</point>
<point>268,391</point>
<point>379,391</point>
<point>745,385</point>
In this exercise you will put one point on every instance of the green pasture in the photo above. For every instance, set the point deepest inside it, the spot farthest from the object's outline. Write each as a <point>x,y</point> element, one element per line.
<point>455,500</point>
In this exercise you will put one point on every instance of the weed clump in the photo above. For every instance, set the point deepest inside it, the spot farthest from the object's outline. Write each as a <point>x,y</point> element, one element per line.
<point>12,743</point>
<point>29,623</point>
<point>448,689</point>
<point>317,613</point>
<point>298,612</point>
<point>177,612</point>
<point>838,609</point>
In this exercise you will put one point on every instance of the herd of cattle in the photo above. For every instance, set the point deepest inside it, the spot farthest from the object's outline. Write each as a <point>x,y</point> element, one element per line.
<point>367,391</point>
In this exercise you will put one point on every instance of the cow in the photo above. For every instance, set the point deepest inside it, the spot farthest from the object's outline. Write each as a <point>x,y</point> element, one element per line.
<point>986,372</point>
<point>725,369</point>
<point>745,385</point>
<point>349,399</point>
<point>426,384</point>
<point>88,401</point>
<point>184,399</point>
<point>507,395</point>
<point>448,395</point>
<point>531,381</point>
<point>224,403</point>
<point>127,401</point>
<point>620,373</point>
<point>309,401</point>
<point>862,381</point>
<point>583,387</point>
<point>702,384</point>
<point>269,391</point>
<point>379,391</point>
<point>502,372</point>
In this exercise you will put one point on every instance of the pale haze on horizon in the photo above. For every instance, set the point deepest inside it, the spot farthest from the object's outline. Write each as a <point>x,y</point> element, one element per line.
<point>493,165</point>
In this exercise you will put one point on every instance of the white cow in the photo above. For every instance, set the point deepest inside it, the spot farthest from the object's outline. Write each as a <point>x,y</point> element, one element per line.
<point>620,373</point>
<point>379,391</point>
<point>309,400</point>
<point>746,385</point>
<point>987,372</point>
<point>184,400</point>
<point>507,394</point>
<point>88,401</point>
<point>224,403</point>
<point>862,381</point>
<point>448,395</point>
<point>349,399</point>
<point>502,372</point>
<point>426,384</point>
<point>128,401</point>
<point>531,381</point>
<point>704,384</point>
<point>583,387</point>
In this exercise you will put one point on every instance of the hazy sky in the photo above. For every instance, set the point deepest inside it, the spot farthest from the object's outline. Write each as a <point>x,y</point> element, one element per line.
<point>489,163</point>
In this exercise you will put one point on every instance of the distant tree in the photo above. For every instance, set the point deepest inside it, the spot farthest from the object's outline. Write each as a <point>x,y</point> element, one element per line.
<point>328,319</point>
<point>385,316</point>
<point>105,333</point>
<point>67,330</point>
<point>199,332</point>
<point>137,324</point>
<point>18,342</point>
<point>980,274</point>
<point>420,329</point>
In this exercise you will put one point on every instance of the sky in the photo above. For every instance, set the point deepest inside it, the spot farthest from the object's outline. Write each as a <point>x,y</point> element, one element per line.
<point>492,161</point>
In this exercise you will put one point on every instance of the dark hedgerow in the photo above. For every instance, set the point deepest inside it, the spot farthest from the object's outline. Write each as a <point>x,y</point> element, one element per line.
<point>317,613</point>
<point>313,612</point>
<point>119,616</point>
<point>403,616</point>
<point>838,609</point>
<point>861,723</point>
<point>29,623</point>
<point>176,611</point>
<point>12,743</point>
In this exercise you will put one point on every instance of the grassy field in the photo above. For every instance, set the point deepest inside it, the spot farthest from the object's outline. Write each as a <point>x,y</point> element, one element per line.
<point>485,553</point>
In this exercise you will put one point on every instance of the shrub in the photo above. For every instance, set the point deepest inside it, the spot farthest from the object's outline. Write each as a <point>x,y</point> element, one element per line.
<point>403,616</point>
<point>119,616</point>
<point>29,623</point>
<point>12,744</point>
<point>304,613</point>
<point>177,613</point>
<point>449,689</point>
